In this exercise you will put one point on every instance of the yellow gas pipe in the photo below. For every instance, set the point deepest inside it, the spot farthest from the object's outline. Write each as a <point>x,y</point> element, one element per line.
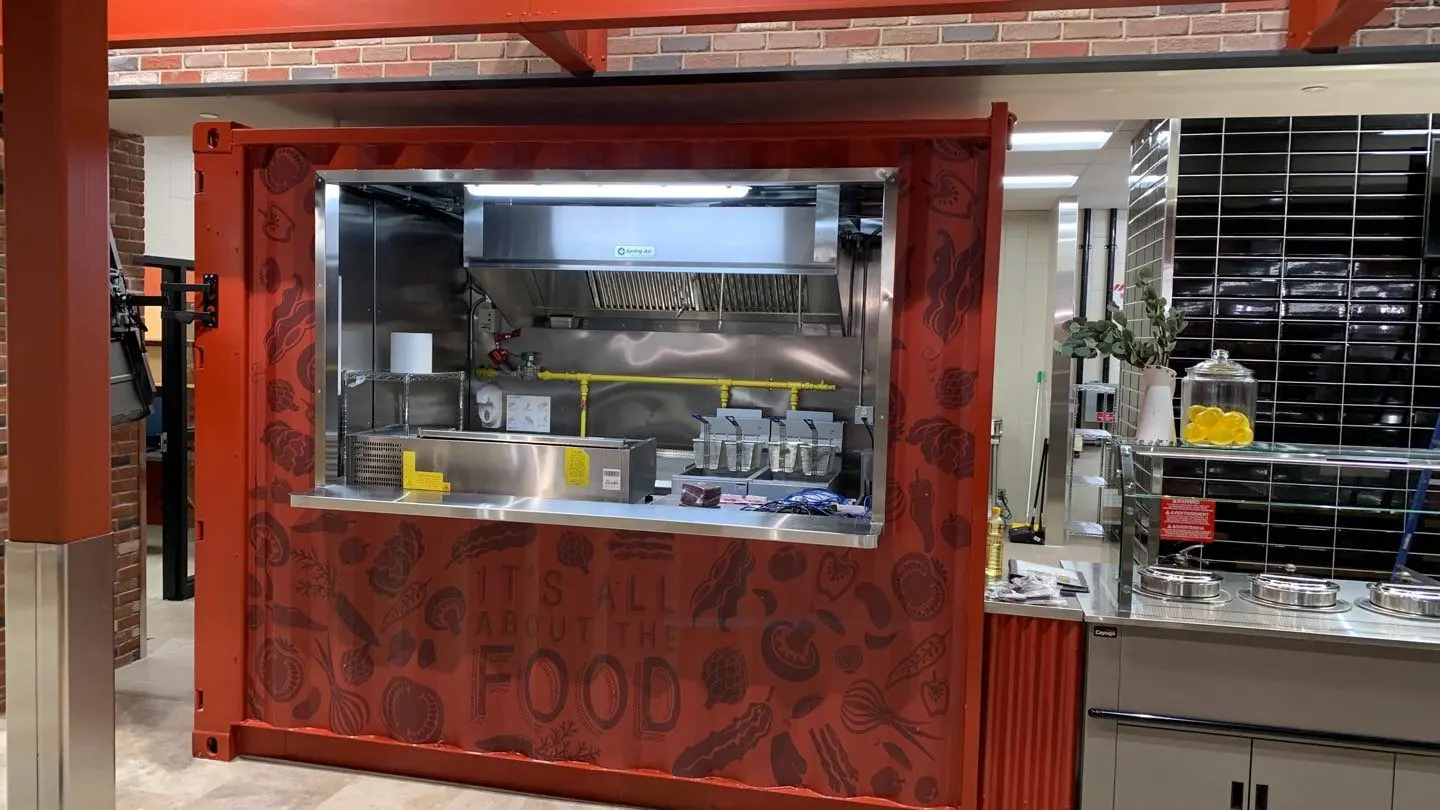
<point>584,404</point>
<point>585,378</point>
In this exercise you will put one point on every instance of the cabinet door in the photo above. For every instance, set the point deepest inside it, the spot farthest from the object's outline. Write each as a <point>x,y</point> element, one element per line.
<point>1294,776</point>
<point>1179,770</point>
<point>1417,782</point>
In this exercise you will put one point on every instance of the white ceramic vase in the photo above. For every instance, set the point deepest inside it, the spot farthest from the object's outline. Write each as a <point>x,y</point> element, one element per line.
<point>1157,406</point>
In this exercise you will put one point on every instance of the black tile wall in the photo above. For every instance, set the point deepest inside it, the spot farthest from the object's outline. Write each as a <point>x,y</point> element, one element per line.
<point>1146,236</point>
<point>1298,248</point>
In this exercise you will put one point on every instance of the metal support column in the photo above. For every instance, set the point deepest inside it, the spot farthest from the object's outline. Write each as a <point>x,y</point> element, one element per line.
<point>60,559</point>
<point>178,584</point>
<point>1062,376</point>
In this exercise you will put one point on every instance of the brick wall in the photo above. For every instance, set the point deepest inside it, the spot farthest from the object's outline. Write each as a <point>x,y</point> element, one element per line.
<point>1240,26</point>
<point>127,223</point>
<point>127,214</point>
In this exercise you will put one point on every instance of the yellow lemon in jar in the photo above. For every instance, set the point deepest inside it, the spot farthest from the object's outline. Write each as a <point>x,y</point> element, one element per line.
<point>1193,433</point>
<point>1193,411</point>
<point>1208,418</point>
<point>1222,434</point>
<point>1236,419</point>
<point>1244,436</point>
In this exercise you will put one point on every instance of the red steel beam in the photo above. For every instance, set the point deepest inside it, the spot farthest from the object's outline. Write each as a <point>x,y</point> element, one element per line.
<point>158,23</point>
<point>579,52</point>
<point>1328,24</point>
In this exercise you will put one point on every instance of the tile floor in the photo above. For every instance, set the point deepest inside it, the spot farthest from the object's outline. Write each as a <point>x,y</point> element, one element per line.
<point>154,769</point>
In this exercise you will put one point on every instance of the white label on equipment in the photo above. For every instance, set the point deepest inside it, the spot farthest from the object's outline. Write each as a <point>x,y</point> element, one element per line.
<point>610,480</point>
<point>634,251</point>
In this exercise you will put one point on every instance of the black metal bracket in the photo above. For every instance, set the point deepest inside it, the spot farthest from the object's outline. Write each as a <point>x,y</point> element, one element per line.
<point>208,315</point>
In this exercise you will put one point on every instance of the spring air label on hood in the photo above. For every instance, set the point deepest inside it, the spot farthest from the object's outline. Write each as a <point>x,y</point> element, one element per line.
<point>634,251</point>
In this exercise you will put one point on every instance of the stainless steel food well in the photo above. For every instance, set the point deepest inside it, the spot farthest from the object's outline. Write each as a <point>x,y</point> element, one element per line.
<point>1291,590</point>
<point>1421,601</point>
<point>1179,583</point>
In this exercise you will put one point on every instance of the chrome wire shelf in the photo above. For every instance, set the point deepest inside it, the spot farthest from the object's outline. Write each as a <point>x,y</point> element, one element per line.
<point>350,380</point>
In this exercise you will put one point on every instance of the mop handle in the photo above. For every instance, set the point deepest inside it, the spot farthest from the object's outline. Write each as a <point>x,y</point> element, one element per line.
<point>1034,438</point>
<point>1417,502</point>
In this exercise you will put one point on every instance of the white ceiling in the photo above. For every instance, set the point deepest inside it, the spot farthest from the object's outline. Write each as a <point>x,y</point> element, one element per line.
<point>1104,173</point>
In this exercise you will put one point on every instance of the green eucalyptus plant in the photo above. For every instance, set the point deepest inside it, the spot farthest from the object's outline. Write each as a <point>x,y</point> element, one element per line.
<point>1112,337</point>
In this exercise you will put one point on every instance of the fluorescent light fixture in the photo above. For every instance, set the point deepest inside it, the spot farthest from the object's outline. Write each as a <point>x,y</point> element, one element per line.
<point>1058,141</point>
<point>1039,181</point>
<point>608,191</point>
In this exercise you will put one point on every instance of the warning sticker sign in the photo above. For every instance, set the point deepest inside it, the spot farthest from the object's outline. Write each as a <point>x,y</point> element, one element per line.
<point>577,467</point>
<point>1188,520</point>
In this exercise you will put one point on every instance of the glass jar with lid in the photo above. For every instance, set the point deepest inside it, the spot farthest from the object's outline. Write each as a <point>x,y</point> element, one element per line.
<point>1217,403</point>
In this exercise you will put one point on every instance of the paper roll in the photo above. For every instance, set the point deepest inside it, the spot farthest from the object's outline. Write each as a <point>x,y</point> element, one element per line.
<point>410,352</point>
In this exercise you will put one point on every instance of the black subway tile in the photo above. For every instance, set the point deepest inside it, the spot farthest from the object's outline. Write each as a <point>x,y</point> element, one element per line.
<point>1319,332</point>
<point>1313,310</point>
<point>1325,123</point>
<point>1413,227</point>
<point>1377,395</point>
<point>1373,162</point>
<point>1314,289</point>
<point>1309,184</point>
<point>1302,204</point>
<point>1196,205</point>
<point>1276,144</point>
<point>1322,163</point>
<point>1250,184</point>
<point>1324,142</point>
<point>1396,140</point>
<point>1241,308</point>
<point>1312,373</point>
<point>1391,205</point>
<point>1387,268</point>
<point>1387,290</point>
<point>1372,248</point>
<point>1249,330</point>
<point>1271,205</point>
<point>1379,353</point>
<point>1312,352</point>
<point>1199,144</point>
<point>1198,164</point>
<point>1340,227</point>
<point>1390,184</point>
<point>1384,122</point>
<point>1243,267</point>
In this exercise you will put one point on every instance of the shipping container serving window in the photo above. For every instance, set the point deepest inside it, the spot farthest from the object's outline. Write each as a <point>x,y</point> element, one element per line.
<point>686,352</point>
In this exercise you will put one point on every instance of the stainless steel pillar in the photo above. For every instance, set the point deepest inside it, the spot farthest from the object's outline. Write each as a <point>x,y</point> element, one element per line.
<point>60,616</point>
<point>1062,377</point>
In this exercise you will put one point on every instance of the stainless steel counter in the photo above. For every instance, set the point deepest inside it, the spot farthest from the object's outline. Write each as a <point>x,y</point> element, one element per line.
<point>832,531</point>
<point>1237,616</point>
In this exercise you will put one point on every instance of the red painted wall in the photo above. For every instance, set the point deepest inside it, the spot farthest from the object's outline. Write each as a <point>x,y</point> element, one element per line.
<point>828,672</point>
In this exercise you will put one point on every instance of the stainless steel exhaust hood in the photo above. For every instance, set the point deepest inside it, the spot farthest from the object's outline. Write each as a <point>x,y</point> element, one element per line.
<point>796,234</point>
<point>761,254</point>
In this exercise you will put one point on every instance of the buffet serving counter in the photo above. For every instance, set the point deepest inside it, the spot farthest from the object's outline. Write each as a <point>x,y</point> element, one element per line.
<point>667,518</point>
<point>1233,615</point>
